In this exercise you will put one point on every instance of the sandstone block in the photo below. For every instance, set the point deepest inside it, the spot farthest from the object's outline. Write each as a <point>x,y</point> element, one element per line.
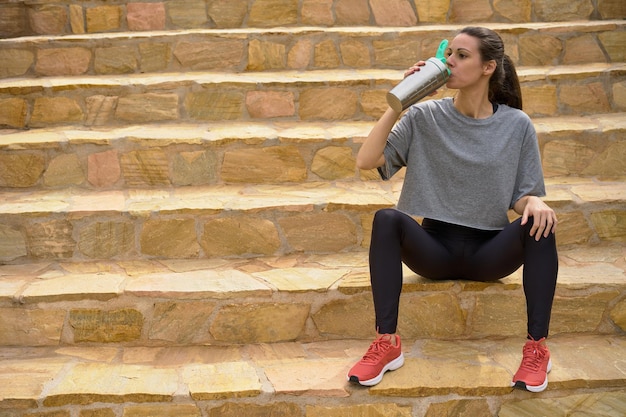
<point>218,104</point>
<point>610,225</point>
<point>154,56</point>
<point>63,61</point>
<point>514,10</point>
<point>264,165</point>
<point>103,18</point>
<point>13,112</point>
<point>97,412</point>
<point>194,168</point>
<point>610,163</point>
<point>349,318</point>
<point>435,11</point>
<point>162,410</point>
<point>145,167</point>
<point>247,323</point>
<point>227,13</point>
<point>563,10</point>
<point>585,98</point>
<point>352,12</point>
<point>216,54</point>
<point>618,314</point>
<point>463,11</point>
<point>236,409</point>
<point>579,314</point>
<point>334,103</point>
<point>400,53</point>
<point>13,20</point>
<point>374,104</point>
<point>268,104</point>
<point>355,54</point>
<point>20,170</point>
<point>115,60</point>
<point>325,55</point>
<point>100,110</point>
<point>566,157</point>
<point>240,236</point>
<point>265,55</point>
<point>12,243</point>
<point>299,56</point>
<point>539,49</point>
<point>88,383</point>
<point>573,229</point>
<point>145,16</point>
<point>169,238</point>
<point>100,326</point>
<point>48,19</point>
<point>581,50</point>
<point>540,100</point>
<point>54,110</point>
<point>21,327</point>
<point>181,322</point>
<point>103,169</point>
<point>64,169</point>
<point>584,404</point>
<point>106,240</point>
<point>437,316</point>
<point>15,62</point>
<point>323,232</point>
<point>77,19</point>
<point>51,240</point>
<point>187,13</point>
<point>490,310</point>
<point>221,381</point>
<point>619,95</point>
<point>317,12</point>
<point>612,9</point>
<point>149,107</point>
<point>360,410</point>
<point>334,162</point>
<point>459,408</point>
<point>393,12</point>
<point>270,13</point>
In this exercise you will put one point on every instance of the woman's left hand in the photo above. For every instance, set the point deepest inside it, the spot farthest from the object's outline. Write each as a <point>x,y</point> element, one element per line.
<point>544,218</point>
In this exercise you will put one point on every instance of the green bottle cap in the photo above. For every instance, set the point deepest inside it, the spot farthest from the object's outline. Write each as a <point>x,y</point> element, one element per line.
<point>441,53</point>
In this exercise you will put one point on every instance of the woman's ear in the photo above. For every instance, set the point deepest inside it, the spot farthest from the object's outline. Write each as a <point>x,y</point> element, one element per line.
<point>489,67</point>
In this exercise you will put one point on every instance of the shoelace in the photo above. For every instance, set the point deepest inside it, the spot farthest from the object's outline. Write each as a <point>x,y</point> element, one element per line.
<point>533,354</point>
<point>377,349</point>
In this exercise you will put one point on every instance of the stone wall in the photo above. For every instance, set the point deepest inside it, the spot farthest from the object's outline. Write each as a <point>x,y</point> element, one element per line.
<point>64,17</point>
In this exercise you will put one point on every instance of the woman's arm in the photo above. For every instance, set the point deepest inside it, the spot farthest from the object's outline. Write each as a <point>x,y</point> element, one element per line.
<point>544,218</point>
<point>370,154</point>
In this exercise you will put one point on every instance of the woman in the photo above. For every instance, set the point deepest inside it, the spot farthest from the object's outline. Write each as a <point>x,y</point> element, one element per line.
<point>469,159</point>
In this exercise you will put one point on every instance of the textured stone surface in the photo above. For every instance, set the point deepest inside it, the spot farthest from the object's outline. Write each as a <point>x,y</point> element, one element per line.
<point>248,322</point>
<point>16,62</point>
<point>19,327</point>
<point>92,325</point>
<point>264,165</point>
<point>145,16</point>
<point>63,61</point>
<point>175,238</point>
<point>599,404</point>
<point>103,18</point>
<point>220,381</point>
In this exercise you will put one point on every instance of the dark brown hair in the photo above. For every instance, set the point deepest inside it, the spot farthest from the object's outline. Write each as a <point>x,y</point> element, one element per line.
<point>504,87</point>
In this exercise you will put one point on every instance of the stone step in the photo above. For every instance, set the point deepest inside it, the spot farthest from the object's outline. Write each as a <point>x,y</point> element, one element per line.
<point>65,16</point>
<point>281,96</point>
<point>300,48</point>
<point>308,379</point>
<point>249,220</point>
<point>300,297</point>
<point>272,152</point>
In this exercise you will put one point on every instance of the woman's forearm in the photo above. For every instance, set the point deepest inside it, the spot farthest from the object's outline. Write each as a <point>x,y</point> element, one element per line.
<point>370,154</point>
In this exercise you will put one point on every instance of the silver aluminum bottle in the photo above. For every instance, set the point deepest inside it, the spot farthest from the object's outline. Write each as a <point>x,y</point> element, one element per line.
<point>418,85</point>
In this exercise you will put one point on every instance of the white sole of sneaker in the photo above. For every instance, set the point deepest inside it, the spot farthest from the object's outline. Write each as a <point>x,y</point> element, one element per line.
<point>534,388</point>
<point>391,366</point>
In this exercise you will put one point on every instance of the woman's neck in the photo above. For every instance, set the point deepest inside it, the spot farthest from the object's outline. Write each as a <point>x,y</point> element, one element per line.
<point>476,106</point>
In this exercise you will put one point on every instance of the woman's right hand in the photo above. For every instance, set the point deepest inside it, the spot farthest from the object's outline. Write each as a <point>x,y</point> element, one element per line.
<point>414,68</point>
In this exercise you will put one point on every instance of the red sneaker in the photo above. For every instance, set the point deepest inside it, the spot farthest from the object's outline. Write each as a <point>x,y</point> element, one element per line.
<point>532,374</point>
<point>382,356</point>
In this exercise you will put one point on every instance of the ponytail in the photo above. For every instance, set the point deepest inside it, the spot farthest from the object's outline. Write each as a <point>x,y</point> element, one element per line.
<point>504,87</point>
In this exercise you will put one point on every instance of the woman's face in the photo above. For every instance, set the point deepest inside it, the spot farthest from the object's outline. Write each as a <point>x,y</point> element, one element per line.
<point>465,62</point>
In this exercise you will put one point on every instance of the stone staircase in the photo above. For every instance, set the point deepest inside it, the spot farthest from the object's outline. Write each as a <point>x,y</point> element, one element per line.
<point>183,231</point>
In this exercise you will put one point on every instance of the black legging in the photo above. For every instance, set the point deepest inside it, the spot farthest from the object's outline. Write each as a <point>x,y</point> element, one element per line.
<point>438,250</point>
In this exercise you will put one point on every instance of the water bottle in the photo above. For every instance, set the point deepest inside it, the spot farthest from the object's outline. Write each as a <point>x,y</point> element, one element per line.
<point>421,83</point>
